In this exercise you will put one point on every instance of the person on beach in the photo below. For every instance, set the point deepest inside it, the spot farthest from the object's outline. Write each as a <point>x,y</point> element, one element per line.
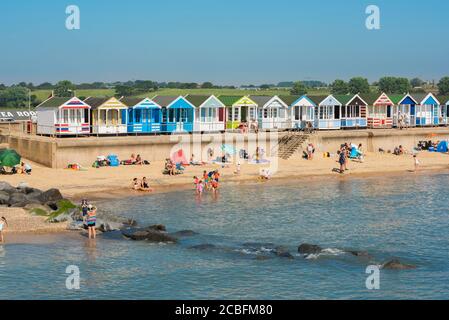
<point>139,160</point>
<point>416,162</point>
<point>25,168</point>
<point>310,151</point>
<point>199,187</point>
<point>3,223</point>
<point>360,150</point>
<point>214,185</point>
<point>135,184</point>
<point>205,179</point>
<point>237,168</point>
<point>92,221</point>
<point>342,160</point>
<point>145,186</point>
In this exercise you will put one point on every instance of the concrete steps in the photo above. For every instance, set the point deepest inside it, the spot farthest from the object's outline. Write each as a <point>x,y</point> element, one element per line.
<point>290,143</point>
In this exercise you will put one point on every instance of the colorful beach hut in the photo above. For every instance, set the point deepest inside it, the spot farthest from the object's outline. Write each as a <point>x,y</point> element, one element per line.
<point>144,115</point>
<point>380,111</point>
<point>327,112</point>
<point>353,111</point>
<point>302,111</point>
<point>109,115</point>
<point>428,112</point>
<point>178,114</point>
<point>272,112</point>
<point>239,110</point>
<point>404,107</point>
<point>63,116</point>
<point>209,113</point>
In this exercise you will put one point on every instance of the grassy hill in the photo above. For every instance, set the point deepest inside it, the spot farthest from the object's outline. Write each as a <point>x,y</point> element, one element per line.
<point>44,94</point>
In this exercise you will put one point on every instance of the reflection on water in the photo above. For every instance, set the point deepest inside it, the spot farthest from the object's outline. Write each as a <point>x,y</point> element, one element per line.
<point>403,217</point>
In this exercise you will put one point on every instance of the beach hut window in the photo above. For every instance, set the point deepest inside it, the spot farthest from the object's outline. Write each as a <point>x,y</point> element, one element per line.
<point>388,111</point>
<point>138,116</point>
<point>65,116</point>
<point>265,113</point>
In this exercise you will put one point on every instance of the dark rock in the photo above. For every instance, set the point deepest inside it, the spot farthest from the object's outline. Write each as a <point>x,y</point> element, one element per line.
<point>17,198</point>
<point>359,253</point>
<point>109,226</point>
<point>52,205</point>
<point>157,227</point>
<point>262,258</point>
<point>52,195</point>
<point>4,197</point>
<point>184,233</point>
<point>205,246</point>
<point>148,235</point>
<point>76,225</point>
<point>306,248</point>
<point>283,252</point>
<point>5,186</point>
<point>395,264</point>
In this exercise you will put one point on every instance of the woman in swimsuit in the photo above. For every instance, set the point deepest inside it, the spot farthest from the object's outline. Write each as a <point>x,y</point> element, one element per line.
<point>144,186</point>
<point>92,221</point>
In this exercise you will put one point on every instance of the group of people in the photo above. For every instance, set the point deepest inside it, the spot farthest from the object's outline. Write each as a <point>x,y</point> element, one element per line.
<point>23,168</point>
<point>346,152</point>
<point>403,120</point>
<point>141,185</point>
<point>209,181</point>
<point>89,218</point>
<point>135,160</point>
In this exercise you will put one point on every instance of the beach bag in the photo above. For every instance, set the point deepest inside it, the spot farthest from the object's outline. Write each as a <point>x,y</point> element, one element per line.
<point>113,160</point>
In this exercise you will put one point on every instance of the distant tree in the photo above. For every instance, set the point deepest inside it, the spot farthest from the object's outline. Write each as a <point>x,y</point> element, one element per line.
<point>285,84</point>
<point>124,91</point>
<point>394,85</point>
<point>416,82</point>
<point>2,86</point>
<point>64,88</point>
<point>265,86</point>
<point>358,85</point>
<point>15,97</point>
<point>298,89</point>
<point>45,86</point>
<point>145,85</point>
<point>207,85</point>
<point>443,86</point>
<point>339,87</point>
<point>314,84</point>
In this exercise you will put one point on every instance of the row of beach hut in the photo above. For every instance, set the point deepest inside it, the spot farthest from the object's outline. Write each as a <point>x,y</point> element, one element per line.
<point>208,113</point>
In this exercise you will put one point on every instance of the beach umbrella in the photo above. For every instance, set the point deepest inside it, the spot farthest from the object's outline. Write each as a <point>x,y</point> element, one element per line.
<point>9,158</point>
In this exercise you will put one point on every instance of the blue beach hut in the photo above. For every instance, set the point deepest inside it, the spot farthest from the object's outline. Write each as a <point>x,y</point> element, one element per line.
<point>428,112</point>
<point>407,108</point>
<point>178,114</point>
<point>144,116</point>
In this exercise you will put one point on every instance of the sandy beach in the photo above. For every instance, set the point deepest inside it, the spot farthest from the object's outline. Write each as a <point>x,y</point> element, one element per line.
<point>108,182</point>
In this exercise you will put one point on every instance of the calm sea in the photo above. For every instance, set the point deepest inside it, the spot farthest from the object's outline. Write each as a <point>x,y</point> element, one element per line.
<point>405,217</point>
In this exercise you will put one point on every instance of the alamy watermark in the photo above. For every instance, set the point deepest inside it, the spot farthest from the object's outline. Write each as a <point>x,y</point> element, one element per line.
<point>373,280</point>
<point>72,282</point>
<point>373,20</point>
<point>73,21</point>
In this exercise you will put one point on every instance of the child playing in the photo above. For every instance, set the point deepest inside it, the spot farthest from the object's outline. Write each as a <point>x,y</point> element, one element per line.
<point>237,168</point>
<point>417,163</point>
<point>214,185</point>
<point>3,222</point>
<point>199,187</point>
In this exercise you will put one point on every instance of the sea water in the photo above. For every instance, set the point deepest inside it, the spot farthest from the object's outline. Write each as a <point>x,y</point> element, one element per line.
<point>404,217</point>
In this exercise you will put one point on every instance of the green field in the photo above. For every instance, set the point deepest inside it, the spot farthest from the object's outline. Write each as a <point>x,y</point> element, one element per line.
<point>44,94</point>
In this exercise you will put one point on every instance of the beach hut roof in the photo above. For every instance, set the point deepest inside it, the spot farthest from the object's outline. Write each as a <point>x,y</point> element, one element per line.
<point>317,99</point>
<point>396,98</point>
<point>165,101</point>
<point>289,100</point>
<point>197,100</point>
<point>344,98</point>
<point>131,101</point>
<point>228,101</point>
<point>53,103</point>
<point>418,97</point>
<point>95,102</point>
<point>430,98</point>
<point>261,100</point>
<point>58,102</point>
<point>370,98</point>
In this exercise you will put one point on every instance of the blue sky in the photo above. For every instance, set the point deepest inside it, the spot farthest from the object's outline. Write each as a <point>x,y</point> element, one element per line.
<point>226,42</point>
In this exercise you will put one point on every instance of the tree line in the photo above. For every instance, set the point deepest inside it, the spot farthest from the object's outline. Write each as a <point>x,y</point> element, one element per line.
<point>389,85</point>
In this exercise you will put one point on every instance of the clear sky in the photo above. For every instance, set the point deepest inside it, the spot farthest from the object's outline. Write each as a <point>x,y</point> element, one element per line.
<point>223,41</point>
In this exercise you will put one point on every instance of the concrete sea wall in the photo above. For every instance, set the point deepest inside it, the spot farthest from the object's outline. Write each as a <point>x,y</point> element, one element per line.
<point>58,153</point>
